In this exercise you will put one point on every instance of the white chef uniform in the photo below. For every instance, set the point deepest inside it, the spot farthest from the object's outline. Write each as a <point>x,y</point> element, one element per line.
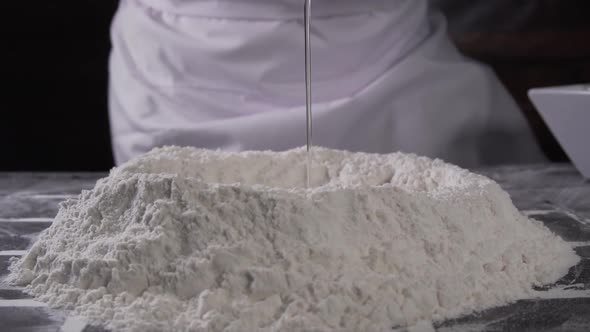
<point>229,74</point>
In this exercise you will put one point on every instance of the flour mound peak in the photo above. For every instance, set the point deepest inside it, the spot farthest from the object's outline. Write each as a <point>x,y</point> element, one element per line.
<point>331,169</point>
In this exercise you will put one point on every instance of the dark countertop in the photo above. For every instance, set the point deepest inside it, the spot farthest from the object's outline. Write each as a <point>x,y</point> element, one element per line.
<point>554,194</point>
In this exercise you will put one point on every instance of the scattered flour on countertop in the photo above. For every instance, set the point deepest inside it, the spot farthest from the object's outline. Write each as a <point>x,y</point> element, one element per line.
<point>182,239</point>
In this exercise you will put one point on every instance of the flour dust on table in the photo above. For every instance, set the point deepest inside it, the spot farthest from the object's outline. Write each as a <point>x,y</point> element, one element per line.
<point>182,239</point>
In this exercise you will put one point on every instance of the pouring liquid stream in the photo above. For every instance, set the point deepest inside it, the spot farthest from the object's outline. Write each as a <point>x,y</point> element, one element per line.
<point>307,24</point>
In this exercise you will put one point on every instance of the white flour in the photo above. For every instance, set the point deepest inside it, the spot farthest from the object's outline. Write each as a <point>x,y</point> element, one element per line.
<point>183,239</point>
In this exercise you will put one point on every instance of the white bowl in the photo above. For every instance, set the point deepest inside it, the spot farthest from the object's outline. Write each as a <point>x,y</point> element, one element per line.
<point>566,110</point>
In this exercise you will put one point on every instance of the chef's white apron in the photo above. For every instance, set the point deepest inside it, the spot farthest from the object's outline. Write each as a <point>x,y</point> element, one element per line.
<point>229,74</point>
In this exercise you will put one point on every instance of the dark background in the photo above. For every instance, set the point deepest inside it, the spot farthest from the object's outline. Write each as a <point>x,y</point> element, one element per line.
<point>54,70</point>
<point>54,85</point>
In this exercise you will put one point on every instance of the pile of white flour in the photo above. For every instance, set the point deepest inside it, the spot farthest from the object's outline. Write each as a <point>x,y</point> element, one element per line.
<point>183,239</point>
